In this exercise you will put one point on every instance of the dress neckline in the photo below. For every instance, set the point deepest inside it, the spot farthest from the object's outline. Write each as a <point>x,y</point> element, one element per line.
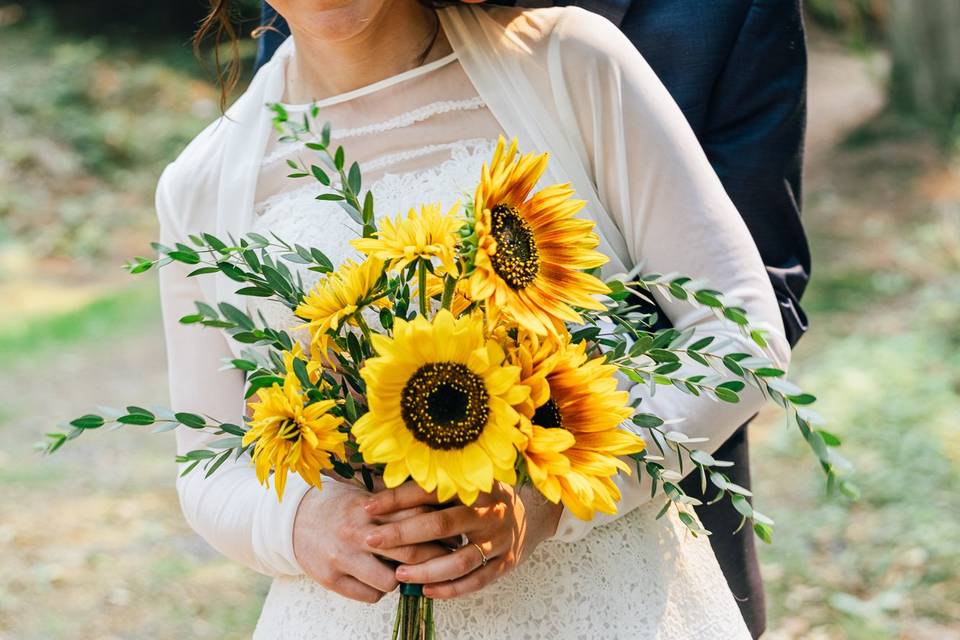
<point>375,86</point>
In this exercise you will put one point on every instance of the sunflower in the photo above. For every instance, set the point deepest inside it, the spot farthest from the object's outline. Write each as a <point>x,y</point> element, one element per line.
<point>290,435</point>
<point>441,407</point>
<point>572,424</point>
<point>530,251</point>
<point>336,297</point>
<point>426,234</point>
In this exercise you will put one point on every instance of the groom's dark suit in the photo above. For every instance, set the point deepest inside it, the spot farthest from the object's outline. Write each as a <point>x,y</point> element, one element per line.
<point>737,68</point>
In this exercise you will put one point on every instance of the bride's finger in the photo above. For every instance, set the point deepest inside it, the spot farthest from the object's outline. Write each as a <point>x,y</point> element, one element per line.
<point>436,525</point>
<point>403,514</point>
<point>405,496</point>
<point>450,543</point>
<point>446,567</point>
<point>470,583</point>
<point>374,573</point>
<point>414,553</point>
<point>350,587</point>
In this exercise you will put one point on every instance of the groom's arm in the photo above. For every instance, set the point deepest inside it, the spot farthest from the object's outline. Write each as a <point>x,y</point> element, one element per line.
<point>753,137</point>
<point>738,71</point>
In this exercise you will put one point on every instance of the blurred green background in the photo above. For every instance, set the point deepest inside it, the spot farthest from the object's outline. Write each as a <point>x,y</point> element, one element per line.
<point>94,100</point>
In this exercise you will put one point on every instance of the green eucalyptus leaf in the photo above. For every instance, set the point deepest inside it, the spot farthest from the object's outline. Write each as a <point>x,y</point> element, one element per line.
<point>742,505</point>
<point>647,420</point>
<point>191,420</point>
<point>320,175</point>
<point>354,178</point>
<point>763,531</point>
<point>802,399</point>
<point>726,395</point>
<point>89,421</point>
<point>236,316</point>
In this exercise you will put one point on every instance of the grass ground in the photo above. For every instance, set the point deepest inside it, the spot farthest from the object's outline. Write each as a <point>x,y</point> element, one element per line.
<point>93,542</point>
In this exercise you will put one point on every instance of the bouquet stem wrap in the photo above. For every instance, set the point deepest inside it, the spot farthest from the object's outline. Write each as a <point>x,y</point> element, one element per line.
<point>414,615</point>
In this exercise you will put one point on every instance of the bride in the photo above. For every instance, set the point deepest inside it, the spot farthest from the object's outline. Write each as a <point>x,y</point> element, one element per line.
<point>419,96</point>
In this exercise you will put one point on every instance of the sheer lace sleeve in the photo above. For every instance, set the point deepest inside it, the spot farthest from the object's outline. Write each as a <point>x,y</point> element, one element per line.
<point>230,509</point>
<point>655,181</point>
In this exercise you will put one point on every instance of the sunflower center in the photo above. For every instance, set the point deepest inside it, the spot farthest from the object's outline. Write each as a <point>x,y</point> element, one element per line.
<point>517,259</point>
<point>445,405</point>
<point>548,415</point>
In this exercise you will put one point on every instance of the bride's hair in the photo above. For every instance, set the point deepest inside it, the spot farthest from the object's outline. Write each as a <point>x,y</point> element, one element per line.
<point>219,24</point>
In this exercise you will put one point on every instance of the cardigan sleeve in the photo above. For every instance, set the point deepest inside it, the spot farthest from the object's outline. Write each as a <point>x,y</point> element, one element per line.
<point>654,180</point>
<point>230,509</point>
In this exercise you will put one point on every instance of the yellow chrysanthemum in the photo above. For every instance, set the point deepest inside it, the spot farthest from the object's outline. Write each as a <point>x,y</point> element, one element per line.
<point>572,425</point>
<point>426,234</point>
<point>313,364</point>
<point>441,407</point>
<point>531,251</point>
<point>460,301</point>
<point>336,297</point>
<point>290,435</point>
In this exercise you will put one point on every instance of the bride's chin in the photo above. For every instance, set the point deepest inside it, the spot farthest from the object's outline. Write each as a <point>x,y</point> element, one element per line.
<point>334,20</point>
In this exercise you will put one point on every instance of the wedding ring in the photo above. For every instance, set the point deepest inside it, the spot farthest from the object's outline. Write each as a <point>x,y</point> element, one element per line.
<point>483,556</point>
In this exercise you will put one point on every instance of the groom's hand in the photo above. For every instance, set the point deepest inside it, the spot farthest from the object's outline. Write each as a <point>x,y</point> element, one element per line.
<point>505,525</point>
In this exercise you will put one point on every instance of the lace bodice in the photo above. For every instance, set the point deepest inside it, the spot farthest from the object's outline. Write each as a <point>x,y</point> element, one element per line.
<point>297,216</point>
<point>667,584</point>
<point>419,137</point>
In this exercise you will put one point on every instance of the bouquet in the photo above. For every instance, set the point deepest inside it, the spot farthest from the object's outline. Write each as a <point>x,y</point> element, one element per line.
<point>467,346</point>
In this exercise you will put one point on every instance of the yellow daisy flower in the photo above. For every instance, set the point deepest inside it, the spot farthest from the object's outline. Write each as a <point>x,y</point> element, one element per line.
<point>426,234</point>
<point>441,407</point>
<point>572,425</point>
<point>289,435</point>
<point>313,364</point>
<point>460,300</point>
<point>336,297</point>
<point>531,250</point>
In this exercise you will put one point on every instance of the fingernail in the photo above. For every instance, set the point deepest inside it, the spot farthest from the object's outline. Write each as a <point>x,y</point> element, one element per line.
<point>374,539</point>
<point>402,573</point>
<point>370,505</point>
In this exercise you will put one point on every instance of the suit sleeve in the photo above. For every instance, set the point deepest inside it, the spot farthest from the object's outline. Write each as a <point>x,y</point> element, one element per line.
<point>753,137</point>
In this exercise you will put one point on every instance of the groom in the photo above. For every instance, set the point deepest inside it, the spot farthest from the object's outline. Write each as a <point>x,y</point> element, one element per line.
<point>737,68</point>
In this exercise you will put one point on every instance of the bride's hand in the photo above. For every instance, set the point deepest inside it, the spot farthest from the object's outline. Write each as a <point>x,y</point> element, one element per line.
<point>328,542</point>
<point>506,524</point>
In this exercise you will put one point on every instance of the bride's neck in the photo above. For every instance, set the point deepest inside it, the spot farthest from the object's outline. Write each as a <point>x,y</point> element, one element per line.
<point>393,42</point>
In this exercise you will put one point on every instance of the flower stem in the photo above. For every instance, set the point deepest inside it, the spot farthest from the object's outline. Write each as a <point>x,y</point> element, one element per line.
<point>422,286</point>
<point>364,329</point>
<point>449,284</point>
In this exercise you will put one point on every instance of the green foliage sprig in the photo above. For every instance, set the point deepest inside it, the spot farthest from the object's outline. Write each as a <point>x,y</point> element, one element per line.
<point>346,191</point>
<point>655,358</point>
<point>162,420</point>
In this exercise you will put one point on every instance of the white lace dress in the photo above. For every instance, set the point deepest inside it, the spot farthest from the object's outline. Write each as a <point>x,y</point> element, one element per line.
<point>420,137</point>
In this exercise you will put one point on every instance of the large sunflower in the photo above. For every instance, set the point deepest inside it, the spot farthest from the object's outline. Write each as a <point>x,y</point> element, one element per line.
<point>530,252</point>
<point>441,407</point>
<point>290,435</point>
<point>336,297</point>
<point>426,234</point>
<point>572,425</point>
